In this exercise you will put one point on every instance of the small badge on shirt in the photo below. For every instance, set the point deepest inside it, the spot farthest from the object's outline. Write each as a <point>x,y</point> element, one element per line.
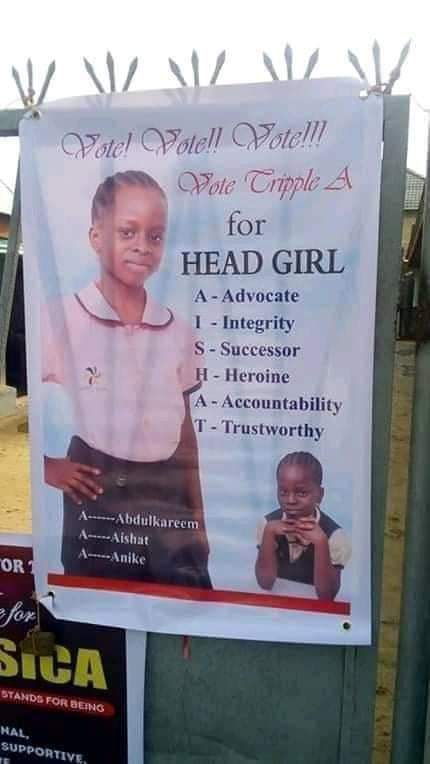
<point>93,375</point>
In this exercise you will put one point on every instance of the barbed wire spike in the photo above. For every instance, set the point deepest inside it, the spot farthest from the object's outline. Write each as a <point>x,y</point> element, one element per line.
<point>218,66</point>
<point>131,72</point>
<point>268,63</point>
<point>174,68</point>
<point>383,88</point>
<point>44,89</point>
<point>395,74</point>
<point>195,66</point>
<point>376,50</point>
<point>111,71</point>
<point>28,98</point>
<point>17,78</point>
<point>288,55</point>
<point>31,92</point>
<point>93,75</point>
<point>110,64</point>
<point>357,66</point>
<point>313,60</point>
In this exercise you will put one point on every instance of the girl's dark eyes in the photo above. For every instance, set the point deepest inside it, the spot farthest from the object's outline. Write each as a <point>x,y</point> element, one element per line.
<point>128,233</point>
<point>298,493</point>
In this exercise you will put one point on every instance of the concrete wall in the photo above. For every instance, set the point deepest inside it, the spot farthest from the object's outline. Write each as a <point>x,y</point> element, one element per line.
<point>409,218</point>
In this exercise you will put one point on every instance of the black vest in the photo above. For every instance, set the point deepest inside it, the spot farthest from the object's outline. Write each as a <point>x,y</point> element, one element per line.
<point>302,570</point>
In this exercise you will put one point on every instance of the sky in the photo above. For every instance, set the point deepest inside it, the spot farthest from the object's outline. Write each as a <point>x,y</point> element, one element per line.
<point>154,31</point>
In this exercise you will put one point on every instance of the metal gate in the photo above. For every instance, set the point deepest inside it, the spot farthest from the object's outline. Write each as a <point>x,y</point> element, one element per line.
<point>235,702</point>
<point>411,726</point>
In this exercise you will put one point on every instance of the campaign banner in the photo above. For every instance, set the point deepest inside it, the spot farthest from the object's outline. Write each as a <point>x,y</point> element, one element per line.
<point>83,703</point>
<point>200,294</point>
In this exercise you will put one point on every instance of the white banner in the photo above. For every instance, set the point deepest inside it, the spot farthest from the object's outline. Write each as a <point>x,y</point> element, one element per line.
<point>203,263</point>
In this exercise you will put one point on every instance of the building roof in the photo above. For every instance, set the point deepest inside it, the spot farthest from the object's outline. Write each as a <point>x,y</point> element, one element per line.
<point>414,190</point>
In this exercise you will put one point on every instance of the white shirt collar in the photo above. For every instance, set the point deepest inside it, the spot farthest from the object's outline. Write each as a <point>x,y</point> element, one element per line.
<point>93,301</point>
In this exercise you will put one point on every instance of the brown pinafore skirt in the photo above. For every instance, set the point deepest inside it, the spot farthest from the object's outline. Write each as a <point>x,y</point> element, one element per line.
<point>139,529</point>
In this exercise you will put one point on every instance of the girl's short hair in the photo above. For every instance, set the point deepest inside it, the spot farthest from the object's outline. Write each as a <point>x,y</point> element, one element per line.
<point>105,194</point>
<point>303,459</point>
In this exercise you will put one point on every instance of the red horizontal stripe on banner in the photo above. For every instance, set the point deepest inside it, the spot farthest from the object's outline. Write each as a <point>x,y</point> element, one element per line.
<point>55,702</point>
<point>201,595</point>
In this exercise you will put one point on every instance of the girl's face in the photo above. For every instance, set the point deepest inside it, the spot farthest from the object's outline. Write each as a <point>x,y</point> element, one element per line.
<point>298,493</point>
<point>129,236</point>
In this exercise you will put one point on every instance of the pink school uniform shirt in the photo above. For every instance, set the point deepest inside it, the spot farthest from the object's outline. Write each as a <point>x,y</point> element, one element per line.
<point>126,382</point>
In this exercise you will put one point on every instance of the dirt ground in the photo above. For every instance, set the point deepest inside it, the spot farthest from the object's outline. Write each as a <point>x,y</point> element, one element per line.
<point>393,547</point>
<point>15,516</point>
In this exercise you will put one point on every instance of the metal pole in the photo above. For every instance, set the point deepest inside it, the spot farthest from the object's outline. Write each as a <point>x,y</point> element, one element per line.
<point>9,275</point>
<point>426,757</point>
<point>410,709</point>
